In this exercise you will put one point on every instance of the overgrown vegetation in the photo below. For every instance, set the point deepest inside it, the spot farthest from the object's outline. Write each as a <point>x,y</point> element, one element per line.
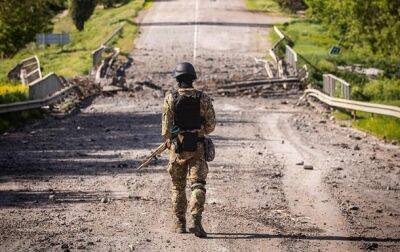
<point>275,6</point>
<point>75,58</point>
<point>372,25</point>
<point>13,92</point>
<point>20,20</point>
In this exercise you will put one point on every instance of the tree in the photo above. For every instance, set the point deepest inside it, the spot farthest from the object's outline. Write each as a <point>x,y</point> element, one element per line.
<point>20,21</point>
<point>371,24</point>
<point>80,11</point>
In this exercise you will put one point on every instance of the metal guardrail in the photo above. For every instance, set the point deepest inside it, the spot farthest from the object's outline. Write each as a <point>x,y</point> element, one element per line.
<point>97,55</point>
<point>291,60</point>
<point>20,106</point>
<point>27,70</point>
<point>45,87</point>
<point>355,105</point>
<point>255,83</point>
<point>118,31</point>
<point>336,87</point>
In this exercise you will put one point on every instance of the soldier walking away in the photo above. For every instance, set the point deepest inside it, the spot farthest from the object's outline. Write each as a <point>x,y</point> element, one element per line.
<point>192,112</point>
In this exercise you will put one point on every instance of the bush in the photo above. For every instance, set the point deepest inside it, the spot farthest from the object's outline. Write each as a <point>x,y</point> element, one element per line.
<point>80,11</point>
<point>20,21</point>
<point>382,90</point>
<point>12,92</point>
<point>57,6</point>
<point>293,5</point>
<point>373,25</point>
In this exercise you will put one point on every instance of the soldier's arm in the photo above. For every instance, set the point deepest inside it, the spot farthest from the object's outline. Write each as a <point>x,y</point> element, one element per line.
<point>167,117</point>
<point>208,113</point>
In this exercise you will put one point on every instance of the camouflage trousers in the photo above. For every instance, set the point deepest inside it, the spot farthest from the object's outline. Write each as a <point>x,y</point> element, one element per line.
<point>192,166</point>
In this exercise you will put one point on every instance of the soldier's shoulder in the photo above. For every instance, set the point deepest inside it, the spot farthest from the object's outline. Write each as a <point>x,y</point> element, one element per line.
<point>205,97</point>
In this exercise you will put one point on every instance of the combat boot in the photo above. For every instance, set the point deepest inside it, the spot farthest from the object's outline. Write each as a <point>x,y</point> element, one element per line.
<point>197,229</point>
<point>179,226</point>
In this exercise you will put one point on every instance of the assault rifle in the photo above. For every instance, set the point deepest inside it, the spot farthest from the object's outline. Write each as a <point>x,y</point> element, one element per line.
<point>160,149</point>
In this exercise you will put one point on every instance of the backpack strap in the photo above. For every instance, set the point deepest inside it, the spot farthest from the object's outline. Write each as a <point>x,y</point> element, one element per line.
<point>175,96</point>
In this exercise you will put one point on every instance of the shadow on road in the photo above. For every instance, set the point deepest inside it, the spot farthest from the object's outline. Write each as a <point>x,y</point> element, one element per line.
<point>33,199</point>
<point>298,237</point>
<point>86,144</point>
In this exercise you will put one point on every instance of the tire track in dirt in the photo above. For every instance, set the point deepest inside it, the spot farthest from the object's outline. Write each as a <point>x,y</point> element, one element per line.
<point>308,197</point>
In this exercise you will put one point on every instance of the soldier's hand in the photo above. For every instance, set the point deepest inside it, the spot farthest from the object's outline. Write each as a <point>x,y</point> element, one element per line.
<point>168,143</point>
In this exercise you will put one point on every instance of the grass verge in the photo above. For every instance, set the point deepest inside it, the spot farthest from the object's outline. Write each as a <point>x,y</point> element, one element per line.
<point>384,127</point>
<point>268,6</point>
<point>75,58</point>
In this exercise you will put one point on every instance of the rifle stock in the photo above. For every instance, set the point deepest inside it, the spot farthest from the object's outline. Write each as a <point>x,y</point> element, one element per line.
<point>158,151</point>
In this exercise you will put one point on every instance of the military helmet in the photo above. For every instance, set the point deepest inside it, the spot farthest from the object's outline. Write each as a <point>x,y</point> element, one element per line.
<point>184,68</point>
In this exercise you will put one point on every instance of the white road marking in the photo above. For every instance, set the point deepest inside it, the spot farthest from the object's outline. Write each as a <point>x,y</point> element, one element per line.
<point>196,28</point>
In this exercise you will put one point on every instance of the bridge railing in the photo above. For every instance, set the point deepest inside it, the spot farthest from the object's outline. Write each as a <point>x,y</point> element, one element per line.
<point>291,60</point>
<point>336,87</point>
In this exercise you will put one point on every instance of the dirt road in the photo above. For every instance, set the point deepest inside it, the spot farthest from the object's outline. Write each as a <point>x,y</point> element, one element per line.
<point>71,183</point>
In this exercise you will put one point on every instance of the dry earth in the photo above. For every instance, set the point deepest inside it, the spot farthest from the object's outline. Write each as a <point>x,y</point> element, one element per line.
<point>71,183</point>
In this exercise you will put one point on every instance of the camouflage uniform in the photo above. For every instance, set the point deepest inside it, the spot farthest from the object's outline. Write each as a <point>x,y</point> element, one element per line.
<point>188,164</point>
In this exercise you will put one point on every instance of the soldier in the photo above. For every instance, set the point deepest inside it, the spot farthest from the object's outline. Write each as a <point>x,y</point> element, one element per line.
<point>192,112</point>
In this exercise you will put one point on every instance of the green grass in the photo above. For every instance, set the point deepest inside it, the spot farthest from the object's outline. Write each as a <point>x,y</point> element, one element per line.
<point>385,127</point>
<point>269,6</point>
<point>75,58</point>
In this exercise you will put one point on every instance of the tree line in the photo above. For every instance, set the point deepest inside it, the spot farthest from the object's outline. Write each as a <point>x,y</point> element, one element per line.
<point>371,24</point>
<point>21,20</point>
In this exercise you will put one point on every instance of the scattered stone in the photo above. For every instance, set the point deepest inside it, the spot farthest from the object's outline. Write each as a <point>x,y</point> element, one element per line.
<point>131,247</point>
<point>369,246</point>
<point>338,168</point>
<point>64,246</point>
<point>394,142</point>
<point>354,208</point>
<point>379,211</point>
<point>257,190</point>
<point>332,118</point>
<point>308,167</point>
<point>322,122</point>
<point>260,153</point>
<point>148,240</point>
<point>357,148</point>
<point>300,163</point>
<point>284,102</point>
<point>104,200</point>
<point>51,197</point>
<point>283,141</point>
